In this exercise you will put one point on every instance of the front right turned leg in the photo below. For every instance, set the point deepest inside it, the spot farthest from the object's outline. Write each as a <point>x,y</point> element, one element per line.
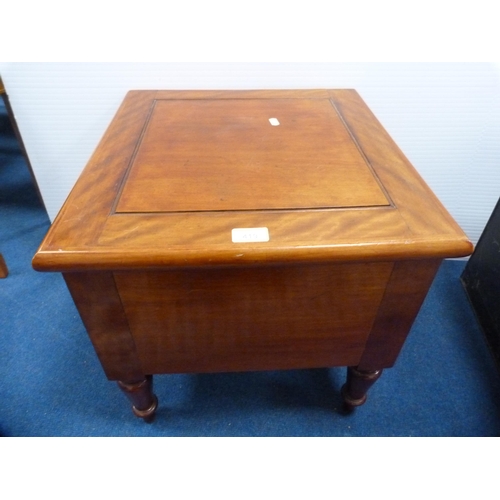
<point>140,393</point>
<point>357,385</point>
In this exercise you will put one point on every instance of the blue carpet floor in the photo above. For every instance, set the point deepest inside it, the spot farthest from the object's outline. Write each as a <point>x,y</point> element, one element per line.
<point>444,384</point>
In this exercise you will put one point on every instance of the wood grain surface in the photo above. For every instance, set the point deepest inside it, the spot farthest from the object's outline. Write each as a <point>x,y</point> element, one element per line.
<point>100,308</point>
<point>354,238</point>
<point>225,155</point>
<point>252,318</point>
<point>128,210</point>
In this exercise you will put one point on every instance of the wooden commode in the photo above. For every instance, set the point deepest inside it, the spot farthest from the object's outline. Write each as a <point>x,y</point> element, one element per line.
<point>217,231</point>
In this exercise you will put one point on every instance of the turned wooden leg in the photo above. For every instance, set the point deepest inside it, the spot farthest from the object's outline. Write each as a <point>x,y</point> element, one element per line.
<point>144,401</point>
<point>357,385</point>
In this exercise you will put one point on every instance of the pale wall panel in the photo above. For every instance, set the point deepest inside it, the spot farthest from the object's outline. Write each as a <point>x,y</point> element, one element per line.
<point>445,117</point>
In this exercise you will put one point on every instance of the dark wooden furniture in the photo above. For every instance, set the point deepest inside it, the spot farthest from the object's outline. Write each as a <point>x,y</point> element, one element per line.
<point>17,133</point>
<point>481,281</point>
<point>4,271</point>
<point>248,230</point>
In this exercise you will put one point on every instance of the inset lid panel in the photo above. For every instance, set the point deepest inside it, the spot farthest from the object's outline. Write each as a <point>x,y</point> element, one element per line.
<point>247,154</point>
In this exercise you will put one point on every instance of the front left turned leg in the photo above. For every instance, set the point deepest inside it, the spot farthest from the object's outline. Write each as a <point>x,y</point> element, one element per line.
<point>140,393</point>
<point>357,385</point>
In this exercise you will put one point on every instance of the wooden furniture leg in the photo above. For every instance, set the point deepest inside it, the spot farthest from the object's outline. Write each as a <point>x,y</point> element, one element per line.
<point>357,385</point>
<point>144,401</point>
<point>17,133</point>
<point>4,272</point>
<point>316,250</point>
<point>102,313</point>
<point>404,295</point>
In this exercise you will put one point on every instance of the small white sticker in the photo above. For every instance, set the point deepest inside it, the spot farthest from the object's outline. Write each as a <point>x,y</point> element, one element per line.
<point>250,235</point>
<point>274,122</point>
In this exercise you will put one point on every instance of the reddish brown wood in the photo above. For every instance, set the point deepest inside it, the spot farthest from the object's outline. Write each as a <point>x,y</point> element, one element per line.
<point>405,292</point>
<point>307,161</point>
<point>145,238</point>
<point>4,271</point>
<point>357,385</point>
<point>100,308</point>
<point>414,225</point>
<point>140,394</point>
<point>252,318</point>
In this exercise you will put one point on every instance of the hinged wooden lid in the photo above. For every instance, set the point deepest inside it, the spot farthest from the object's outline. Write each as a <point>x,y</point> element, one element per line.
<point>302,175</point>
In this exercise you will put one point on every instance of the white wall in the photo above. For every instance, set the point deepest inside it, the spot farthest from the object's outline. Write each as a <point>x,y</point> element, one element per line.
<point>445,117</point>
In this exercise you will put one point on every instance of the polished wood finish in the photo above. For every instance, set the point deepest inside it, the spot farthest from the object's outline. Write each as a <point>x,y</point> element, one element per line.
<point>405,292</point>
<point>263,318</point>
<point>307,161</point>
<point>89,233</point>
<point>140,393</point>
<point>357,385</point>
<point>101,310</point>
<point>145,241</point>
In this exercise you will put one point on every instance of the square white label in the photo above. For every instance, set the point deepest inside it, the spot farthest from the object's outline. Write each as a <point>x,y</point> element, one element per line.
<point>250,235</point>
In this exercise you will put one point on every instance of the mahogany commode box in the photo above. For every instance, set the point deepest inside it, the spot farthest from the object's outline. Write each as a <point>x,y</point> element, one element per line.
<point>217,231</point>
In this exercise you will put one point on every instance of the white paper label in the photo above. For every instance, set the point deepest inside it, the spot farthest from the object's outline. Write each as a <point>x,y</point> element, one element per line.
<point>250,235</point>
